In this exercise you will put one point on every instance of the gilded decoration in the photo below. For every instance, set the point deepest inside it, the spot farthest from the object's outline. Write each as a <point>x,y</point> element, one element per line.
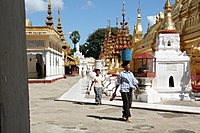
<point>186,18</point>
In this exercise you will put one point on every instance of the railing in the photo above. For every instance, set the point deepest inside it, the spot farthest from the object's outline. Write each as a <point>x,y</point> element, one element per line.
<point>192,21</point>
<point>145,74</point>
<point>189,22</point>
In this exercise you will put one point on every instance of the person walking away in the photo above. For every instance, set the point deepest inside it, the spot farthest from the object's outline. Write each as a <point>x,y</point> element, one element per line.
<point>98,86</point>
<point>82,72</point>
<point>127,82</point>
<point>38,68</point>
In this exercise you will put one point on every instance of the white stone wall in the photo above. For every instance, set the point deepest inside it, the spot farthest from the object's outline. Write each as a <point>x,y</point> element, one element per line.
<point>14,99</point>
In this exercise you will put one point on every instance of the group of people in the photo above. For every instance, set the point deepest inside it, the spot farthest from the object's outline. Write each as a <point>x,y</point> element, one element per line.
<point>127,83</point>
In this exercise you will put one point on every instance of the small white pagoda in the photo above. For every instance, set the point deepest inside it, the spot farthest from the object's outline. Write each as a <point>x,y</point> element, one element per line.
<point>172,65</point>
<point>83,61</point>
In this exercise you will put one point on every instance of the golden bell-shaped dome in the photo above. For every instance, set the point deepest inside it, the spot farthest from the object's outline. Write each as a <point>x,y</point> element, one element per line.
<point>168,24</point>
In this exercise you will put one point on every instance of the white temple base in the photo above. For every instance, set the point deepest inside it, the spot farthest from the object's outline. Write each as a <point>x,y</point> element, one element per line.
<point>176,96</point>
<point>149,96</point>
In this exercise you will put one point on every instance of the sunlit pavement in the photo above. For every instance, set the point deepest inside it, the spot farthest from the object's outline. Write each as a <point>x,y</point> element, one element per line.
<point>63,107</point>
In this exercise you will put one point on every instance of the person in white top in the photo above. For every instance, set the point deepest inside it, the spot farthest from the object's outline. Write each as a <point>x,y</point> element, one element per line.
<point>98,86</point>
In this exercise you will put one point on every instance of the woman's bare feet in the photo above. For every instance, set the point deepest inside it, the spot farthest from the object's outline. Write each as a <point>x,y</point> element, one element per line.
<point>127,120</point>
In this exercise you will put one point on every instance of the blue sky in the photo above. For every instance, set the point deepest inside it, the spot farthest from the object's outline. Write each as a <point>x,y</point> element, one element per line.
<point>86,16</point>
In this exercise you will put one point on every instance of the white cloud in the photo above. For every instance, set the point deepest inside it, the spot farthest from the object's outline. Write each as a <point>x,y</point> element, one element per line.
<point>33,6</point>
<point>88,4</point>
<point>151,19</point>
<point>57,4</point>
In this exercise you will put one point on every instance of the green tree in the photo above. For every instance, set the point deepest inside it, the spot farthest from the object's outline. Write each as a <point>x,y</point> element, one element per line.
<point>75,37</point>
<point>92,47</point>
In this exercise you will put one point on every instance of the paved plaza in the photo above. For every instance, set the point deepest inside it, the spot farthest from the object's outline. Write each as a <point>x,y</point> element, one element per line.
<point>63,107</point>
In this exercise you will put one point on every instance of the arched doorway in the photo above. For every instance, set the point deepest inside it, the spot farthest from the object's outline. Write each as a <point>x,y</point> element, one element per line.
<point>171,81</point>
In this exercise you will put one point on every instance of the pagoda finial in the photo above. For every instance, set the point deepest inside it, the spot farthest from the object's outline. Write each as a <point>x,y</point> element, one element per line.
<point>123,11</point>
<point>108,23</point>
<point>59,27</point>
<point>148,28</point>
<point>123,23</point>
<point>168,24</point>
<point>139,25</point>
<point>58,15</point>
<point>49,21</point>
<point>117,21</point>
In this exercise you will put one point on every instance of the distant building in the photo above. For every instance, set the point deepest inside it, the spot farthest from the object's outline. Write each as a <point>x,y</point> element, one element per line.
<point>44,44</point>
<point>47,53</point>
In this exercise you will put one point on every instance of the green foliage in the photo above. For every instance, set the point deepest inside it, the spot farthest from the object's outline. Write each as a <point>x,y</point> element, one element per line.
<point>72,51</point>
<point>75,37</point>
<point>92,47</point>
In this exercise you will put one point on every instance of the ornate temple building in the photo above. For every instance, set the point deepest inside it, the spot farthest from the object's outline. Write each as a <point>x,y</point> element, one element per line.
<point>113,45</point>
<point>186,17</point>
<point>47,53</point>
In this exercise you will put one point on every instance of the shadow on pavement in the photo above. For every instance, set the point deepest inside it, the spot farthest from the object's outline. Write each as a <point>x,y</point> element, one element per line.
<point>84,103</point>
<point>106,118</point>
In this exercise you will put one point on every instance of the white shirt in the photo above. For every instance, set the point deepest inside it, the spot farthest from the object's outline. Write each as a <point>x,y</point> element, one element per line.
<point>97,81</point>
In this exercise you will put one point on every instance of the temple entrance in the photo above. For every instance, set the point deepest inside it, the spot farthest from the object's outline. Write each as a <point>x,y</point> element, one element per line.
<point>35,66</point>
<point>38,65</point>
<point>171,81</point>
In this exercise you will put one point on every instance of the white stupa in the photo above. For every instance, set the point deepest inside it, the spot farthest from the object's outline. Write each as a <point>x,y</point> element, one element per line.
<point>83,61</point>
<point>172,65</point>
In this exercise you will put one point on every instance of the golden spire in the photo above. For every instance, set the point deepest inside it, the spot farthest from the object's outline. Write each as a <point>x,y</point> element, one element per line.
<point>59,15</point>
<point>167,24</point>
<point>177,1</point>
<point>139,25</point>
<point>49,21</point>
<point>59,27</point>
<point>138,28</point>
<point>148,28</point>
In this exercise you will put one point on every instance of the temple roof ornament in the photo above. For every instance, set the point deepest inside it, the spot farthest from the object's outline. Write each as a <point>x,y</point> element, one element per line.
<point>168,24</point>
<point>107,48</point>
<point>123,23</point>
<point>122,38</point>
<point>117,21</point>
<point>148,28</point>
<point>139,25</point>
<point>59,27</point>
<point>137,33</point>
<point>49,21</point>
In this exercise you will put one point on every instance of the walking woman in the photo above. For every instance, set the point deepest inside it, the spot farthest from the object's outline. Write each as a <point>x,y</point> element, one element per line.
<point>98,86</point>
<point>127,82</point>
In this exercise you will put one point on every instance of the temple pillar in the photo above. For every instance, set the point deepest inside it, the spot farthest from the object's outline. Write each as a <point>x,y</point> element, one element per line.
<point>51,65</point>
<point>48,70</point>
<point>14,96</point>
